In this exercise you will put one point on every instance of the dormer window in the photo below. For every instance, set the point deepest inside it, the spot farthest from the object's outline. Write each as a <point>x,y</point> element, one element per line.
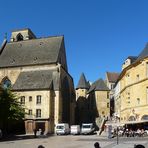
<point>19,37</point>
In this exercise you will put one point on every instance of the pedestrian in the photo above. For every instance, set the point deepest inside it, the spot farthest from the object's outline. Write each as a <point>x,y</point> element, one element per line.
<point>97,145</point>
<point>139,146</point>
<point>35,131</point>
<point>41,146</point>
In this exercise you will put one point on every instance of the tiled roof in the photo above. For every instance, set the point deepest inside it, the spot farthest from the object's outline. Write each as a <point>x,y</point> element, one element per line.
<point>83,82</point>
<point>112,76</point>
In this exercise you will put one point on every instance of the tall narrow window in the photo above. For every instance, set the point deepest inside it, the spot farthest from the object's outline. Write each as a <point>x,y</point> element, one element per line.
<point>38,99</point>
<point>22,99</point>
<point>112,86</point>
<point>147,69</point>
<point>38,113</point>
<point>107,105</point>
<point>30,98</point>
<point>147,95</point>
<point>107,95</point>
<point>138,101</point>
<point>137,77</point>
<point>30,112</point>
<point>19,37</point>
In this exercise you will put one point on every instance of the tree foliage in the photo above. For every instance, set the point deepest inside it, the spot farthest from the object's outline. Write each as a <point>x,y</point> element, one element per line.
<point>11,110</point>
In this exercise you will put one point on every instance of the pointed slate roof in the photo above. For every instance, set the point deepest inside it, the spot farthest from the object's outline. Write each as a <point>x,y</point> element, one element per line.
<point>98,85</point>
<point>144,53</point>
<point>82,82</point>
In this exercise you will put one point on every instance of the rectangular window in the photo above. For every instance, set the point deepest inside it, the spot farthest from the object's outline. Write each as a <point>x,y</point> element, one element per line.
<point>107,105</point>
<point>107,95</point>
<point>127,79</point>
<point>30,112</point>
<point>147,69</point>
<point>128,102</point>
<point>137,77</point>
<point>112,86</point>
<point>147,95</point>
<point>38,99</point>
<point>38,113</point>
<point>30,98</point>
<point>138,101</point>
<point>22,99</point>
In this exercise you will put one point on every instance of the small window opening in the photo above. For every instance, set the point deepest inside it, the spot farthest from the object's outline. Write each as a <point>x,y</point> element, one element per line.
<point>19,37</point>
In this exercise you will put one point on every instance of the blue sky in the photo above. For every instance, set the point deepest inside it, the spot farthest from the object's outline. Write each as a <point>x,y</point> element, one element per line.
<point>99,34</point>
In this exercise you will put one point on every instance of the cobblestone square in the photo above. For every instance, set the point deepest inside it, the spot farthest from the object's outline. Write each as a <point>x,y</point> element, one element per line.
<point>70,141</point>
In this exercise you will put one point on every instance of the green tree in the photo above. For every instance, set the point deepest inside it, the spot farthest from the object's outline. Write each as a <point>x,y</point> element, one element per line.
<point>11,110</point>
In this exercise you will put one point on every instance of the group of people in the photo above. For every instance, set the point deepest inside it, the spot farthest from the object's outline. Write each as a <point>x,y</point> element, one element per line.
<point>97,145</point>
<point>130,133</point>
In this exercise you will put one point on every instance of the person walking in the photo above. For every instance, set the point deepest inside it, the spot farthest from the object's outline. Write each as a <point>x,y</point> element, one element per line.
<point>41,146</point>
<point>139,146</point>
<point>97,145</point>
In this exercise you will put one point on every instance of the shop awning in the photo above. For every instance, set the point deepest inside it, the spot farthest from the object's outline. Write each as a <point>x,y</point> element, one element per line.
<point>135,122</point>
<point>114,124</point>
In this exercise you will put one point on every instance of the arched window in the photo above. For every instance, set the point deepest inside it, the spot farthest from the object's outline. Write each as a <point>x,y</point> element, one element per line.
<point>6,83</point>
<point>144,117</point>
<point>132,118</point>
<point>19,37</point>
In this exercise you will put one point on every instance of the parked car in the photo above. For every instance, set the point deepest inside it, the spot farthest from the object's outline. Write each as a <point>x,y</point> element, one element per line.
<point>62,129</point>
<point>87,128</point>
<point>75,129</point>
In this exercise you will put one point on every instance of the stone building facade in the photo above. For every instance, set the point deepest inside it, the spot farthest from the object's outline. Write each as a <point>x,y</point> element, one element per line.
<point>36,69</point>
<point>111,78</point>
<point>92,100</point>
<point>133,93</point>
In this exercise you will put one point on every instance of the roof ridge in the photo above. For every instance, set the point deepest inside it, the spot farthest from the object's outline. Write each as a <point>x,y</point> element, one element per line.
<point>35,39</point>
<point>98,85</point>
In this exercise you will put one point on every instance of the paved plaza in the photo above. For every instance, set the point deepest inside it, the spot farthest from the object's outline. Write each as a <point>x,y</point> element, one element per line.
<point>70,141</point>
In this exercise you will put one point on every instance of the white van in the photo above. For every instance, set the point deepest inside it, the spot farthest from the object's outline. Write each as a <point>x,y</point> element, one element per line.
<point>62,129</point>
<point>75,129</point>
<point>87,128</point>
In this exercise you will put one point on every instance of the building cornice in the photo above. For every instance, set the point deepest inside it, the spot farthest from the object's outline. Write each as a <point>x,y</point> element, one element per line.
<point>133,84</point>
<point>133,107</point>
<point>129,67</point>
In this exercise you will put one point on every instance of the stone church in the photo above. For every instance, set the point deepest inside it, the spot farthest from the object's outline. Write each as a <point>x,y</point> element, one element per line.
<point>36,70</point>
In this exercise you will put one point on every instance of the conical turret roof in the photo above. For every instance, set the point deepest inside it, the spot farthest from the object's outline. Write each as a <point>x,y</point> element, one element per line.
<point>82,82</point>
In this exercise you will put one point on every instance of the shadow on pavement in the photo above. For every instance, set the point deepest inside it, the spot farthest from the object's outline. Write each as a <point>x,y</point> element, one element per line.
<point>22,137</point>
